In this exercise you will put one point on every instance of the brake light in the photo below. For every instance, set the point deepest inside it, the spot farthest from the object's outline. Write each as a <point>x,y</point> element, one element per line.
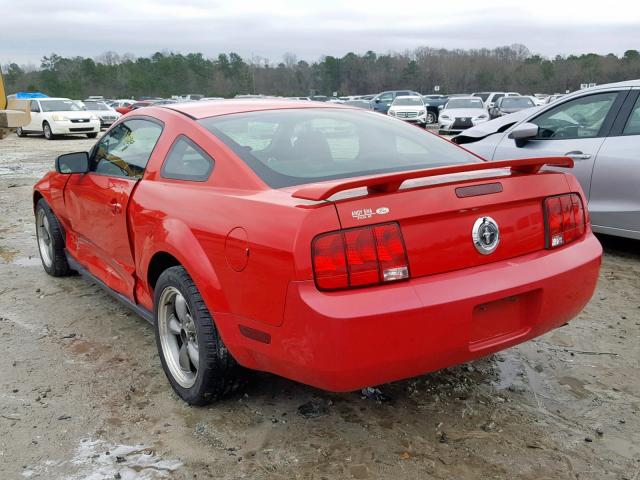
<point>360,257</point>
<point>565,219</point>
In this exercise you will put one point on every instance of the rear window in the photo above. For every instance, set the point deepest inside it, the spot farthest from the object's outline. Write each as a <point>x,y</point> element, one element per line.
<point>297,146</point>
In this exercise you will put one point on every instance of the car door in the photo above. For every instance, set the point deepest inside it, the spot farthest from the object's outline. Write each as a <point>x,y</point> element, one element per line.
<point>575,128</point>
<point>614,202</point>
<point>97,202</point>
<point>383,102</point>
<point>35,124</point>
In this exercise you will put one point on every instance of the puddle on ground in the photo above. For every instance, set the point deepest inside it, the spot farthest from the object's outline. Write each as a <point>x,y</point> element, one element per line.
<point>98,460</point>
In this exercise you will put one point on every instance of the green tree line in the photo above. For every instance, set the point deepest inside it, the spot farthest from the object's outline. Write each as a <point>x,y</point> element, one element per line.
<point>510,68</point>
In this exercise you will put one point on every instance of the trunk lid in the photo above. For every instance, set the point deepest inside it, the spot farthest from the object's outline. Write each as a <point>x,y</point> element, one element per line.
<point>437,215</point>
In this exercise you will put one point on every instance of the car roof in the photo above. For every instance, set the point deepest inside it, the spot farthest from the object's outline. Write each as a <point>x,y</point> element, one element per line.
<point>407,96</point>
<point>213,108</point>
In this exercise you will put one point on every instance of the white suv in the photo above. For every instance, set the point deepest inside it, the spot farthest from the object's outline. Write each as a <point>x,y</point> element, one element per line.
<point>60,116</point>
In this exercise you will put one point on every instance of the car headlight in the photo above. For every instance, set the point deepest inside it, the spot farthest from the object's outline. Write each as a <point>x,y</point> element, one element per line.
<point>422,112</point>
<point>391,112</point>
<point>445,117</point>
<point>93,117</point>
<point>59,118</point>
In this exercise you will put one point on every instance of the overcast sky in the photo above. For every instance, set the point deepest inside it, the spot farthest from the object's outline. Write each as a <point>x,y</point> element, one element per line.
<point>30,29</point>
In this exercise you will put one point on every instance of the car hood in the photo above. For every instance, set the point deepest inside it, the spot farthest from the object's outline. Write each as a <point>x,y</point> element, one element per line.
<point>498,125</point>
<point>408,108</point>
<point>513,109</point>
<point>73,115</point>
<point>103,113</point>
<point>463,112</point>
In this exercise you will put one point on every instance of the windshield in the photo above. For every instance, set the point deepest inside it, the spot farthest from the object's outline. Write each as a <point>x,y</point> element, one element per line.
<point>96,106</point>
<point>408,101</point>
<point>463,103</point>
<point>516,102</point>
<point>59,106</point>
<point>296,146</point>
<point>483,96</point>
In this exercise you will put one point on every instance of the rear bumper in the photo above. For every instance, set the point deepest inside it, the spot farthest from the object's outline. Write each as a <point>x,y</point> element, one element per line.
<point>343,341</point>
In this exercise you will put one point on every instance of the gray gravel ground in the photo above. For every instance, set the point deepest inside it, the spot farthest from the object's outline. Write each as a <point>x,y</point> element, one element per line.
<point>82,394</point>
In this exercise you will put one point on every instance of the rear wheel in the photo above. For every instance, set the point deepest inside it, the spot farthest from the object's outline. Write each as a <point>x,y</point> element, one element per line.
<point>46,130</point>
<point>193,355</point>
<point>20,132</point>
<point>50,241</point>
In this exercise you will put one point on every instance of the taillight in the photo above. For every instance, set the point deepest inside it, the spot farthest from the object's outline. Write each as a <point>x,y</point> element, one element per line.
<point>360,257</point>
<point>565,219</point>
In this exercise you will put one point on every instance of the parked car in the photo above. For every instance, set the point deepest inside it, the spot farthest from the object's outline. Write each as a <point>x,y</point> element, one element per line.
<point>135,105</point>
<point>554,97</point>
<point>506,105</point>
<point>490,98</point>
<point>106,114</point>
<point>599,129</point>
<point>122,106</point>
<point>409,108</point>
<point>433,103</point>
<point>460,113</point>
<point>278,236</point>
<point>381,102</point>
<point>52,117</point>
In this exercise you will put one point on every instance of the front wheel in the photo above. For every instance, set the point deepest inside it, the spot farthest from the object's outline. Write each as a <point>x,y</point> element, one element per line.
<point>193,355</point>
<point>20,132</point>
<point>431,118</point>
<point>46,130</point>
<point>50,241</point>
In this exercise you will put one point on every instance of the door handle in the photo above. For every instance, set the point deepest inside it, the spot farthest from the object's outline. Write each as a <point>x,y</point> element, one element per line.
<point>578,155</point>
<point>115,206</point>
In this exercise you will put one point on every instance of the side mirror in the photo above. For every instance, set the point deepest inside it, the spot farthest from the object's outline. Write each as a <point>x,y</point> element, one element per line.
<point>523,132</point>
<point>73,163</point>
<point>491,104</point>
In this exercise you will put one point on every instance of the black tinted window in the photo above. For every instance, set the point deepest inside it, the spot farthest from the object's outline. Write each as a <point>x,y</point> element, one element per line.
<point>187,161</point>
<point>297,146</point>
<point>125,150</point>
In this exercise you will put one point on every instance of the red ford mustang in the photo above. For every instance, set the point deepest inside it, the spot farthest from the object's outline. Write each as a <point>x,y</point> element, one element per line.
<point>330,245</point>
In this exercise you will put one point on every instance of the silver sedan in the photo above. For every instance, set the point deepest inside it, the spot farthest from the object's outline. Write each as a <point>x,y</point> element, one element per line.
<point>599,128</point>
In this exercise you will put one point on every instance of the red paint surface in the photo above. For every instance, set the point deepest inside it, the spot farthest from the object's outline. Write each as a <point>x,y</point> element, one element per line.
<point>457,305</point>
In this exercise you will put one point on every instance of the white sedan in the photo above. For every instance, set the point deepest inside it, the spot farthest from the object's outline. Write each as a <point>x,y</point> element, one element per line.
<point>460,113</point>
<point>410,108</point>
<point>60,116</point>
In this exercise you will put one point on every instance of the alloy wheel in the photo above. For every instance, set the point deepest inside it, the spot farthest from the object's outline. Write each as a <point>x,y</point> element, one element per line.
<point>178,337</point>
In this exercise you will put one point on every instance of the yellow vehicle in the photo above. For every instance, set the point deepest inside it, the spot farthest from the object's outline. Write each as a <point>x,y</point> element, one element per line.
<point>14,113</point>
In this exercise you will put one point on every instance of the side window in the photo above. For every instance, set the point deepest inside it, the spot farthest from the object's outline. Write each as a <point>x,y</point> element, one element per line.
<point>386,97</point>
<point>125,150</point>
<point>187,161</point>
<point>579,118</point>
<point>497,97</point>
<point>34,106</point>
<point>633,124</point>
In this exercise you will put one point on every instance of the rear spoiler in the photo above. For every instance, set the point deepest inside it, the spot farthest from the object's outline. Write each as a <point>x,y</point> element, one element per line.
<point>391,182</point>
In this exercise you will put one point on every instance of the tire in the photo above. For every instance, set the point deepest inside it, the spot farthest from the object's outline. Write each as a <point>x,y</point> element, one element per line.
<point>179,329</point>
<point>92,135</point>
<point>50,240</point>
<point>46,130</point>
<point>431,118</point>
<point>20,132</point>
